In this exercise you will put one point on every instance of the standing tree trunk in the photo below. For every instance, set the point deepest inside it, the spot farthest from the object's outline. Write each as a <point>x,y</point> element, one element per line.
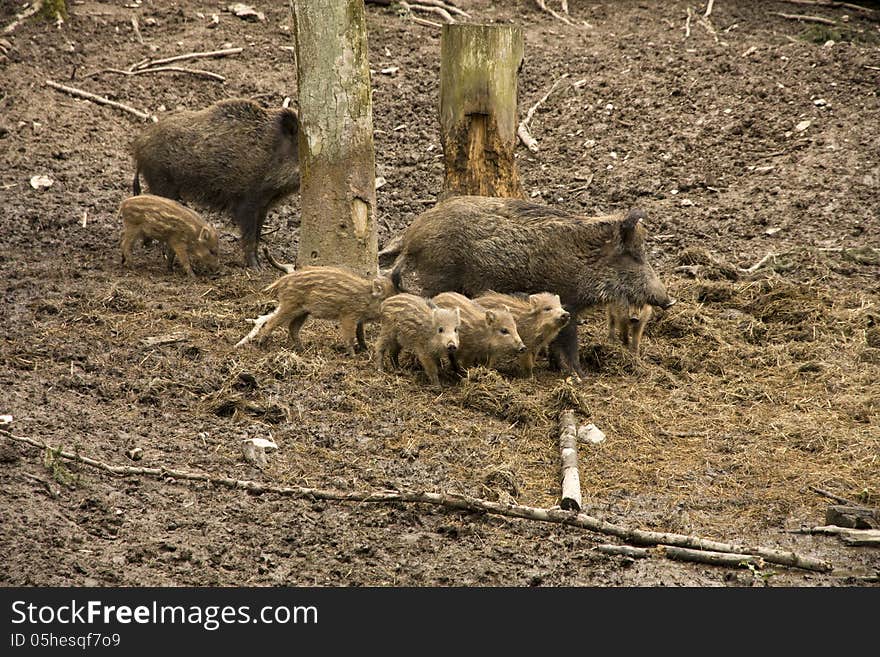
<point>478,69</point>
<point>337,162</point>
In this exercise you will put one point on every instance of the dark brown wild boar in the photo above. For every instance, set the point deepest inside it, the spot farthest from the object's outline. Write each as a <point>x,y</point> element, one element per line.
<point>539,318</point>
<point>323,293</point>
<point>627,323</point>
<point>485,334</point>
<point>184,234</point>
<point>232,156</point>
<point>416,324</point>
<point>470,244</point>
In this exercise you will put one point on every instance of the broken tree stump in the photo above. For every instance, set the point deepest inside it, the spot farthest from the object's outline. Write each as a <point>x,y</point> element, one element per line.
<point>478,109</point>
<point>571,480</point>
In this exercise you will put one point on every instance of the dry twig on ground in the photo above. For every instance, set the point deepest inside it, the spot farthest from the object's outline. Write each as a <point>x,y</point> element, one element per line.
<point>522,130</point>
<point>831,3</point>
<point>571,480</point>
<point>161,69</point>
<point>453,501</point>
<point>19,18</point>
<point>542,4</point>
<point>805,18</point>
<point>73,91</point>
<point>147,63</point>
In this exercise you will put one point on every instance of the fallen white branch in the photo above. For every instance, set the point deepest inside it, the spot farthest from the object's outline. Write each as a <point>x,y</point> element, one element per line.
<point>571,480</point>
<point>805,18</point>
<point>763,261</point>
<point>23,16</point>
<point>447,7</point>
<point>543,5</point>
<point>100,100</point>
<point>192,55</point>
<point>687,23</point>
<point>160,69</point>
<point>709,9</point>
<point>453,501</point>
<point>522,130</point>
<point>440,11</point>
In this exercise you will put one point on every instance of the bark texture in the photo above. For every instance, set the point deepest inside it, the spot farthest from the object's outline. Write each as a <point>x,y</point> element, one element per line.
<point>337,160</point>
<point>478,108</point>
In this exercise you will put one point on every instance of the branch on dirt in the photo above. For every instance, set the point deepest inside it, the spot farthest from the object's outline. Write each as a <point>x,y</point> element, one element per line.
<point>79,93</point>
<point>523,130</point>
<point>161,69</point>
<point>452,9</point>
<point>763,261</point>
<point>424,21</point>
<point>440,11</point>
<point>177,58</point>
<point>571,481</point>
<point>831,3</point>
<point>805,18</point>
<point>851,537</point>
<point>136,29</point>
<point>453,501</point>
<point>687,23</point>
<point>709,9</point>
<point>542,4</point>
<point>832,496</point>
<point>23,16</point>
<point>726,559</point>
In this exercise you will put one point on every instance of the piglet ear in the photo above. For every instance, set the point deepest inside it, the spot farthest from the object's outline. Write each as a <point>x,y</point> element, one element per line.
<point>377,287</point>
<point>490,317</point>
<point>204,234</point>
<point>630,235</point>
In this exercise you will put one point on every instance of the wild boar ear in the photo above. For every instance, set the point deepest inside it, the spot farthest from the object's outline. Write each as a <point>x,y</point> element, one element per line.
<point>204,234</point>
<point>490,317</point>
<point>630,235</point>
<point>533,300</point>
<point>378,288</point>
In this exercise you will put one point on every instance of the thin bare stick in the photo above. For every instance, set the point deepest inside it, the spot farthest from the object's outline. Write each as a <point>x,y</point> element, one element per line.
<point>831,3</point>
<point>424,21</point>
<point>730,560</point>
<point>571,480</point>
<point>100,100</point>
<point>625,551</point>
<point>137,31</point>
<point>687,23</point>
<point>832,496</point>
<point>706,23</point>
<point>27,13</point>
<point>447,7</point>
<point>805,18</point>
<point>440,11</point>
<point>543,5</point>
<point>161,69</point>
<point>709,9</point>
<point>854,537</point>
<point>191,55</point>
<point>453,501</point>
<point>523,130</point>
<point>763,261</point>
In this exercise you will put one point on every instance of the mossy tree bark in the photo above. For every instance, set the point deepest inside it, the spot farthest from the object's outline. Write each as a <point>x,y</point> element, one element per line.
<point>337,161</point>
<point>54,9</point>
<point>478,113</point>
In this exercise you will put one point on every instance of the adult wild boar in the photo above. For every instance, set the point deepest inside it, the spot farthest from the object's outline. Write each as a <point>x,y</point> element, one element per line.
<point>232,156</point>
<point>471,244</point>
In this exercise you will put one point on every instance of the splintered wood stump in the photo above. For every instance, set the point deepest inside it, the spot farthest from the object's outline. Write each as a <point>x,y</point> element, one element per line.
<point>478,115</point>
<point>337,161</point>
<point>571,481</point>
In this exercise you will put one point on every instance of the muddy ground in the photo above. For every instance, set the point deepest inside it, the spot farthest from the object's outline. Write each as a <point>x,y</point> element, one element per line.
<point>752,135</point>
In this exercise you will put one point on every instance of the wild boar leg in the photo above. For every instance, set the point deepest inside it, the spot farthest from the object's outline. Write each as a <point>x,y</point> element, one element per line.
<point>564,350</point>
<point>294,327</point>
<point>249,218</point>
<point>361,340</point>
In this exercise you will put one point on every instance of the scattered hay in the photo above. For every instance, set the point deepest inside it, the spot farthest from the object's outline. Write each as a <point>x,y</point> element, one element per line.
<point>487,391</point>
<point>567,394</point>
<point>121,300</point>
<point>610,359</point>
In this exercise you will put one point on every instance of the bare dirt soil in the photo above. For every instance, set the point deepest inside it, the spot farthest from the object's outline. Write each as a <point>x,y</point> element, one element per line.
<point>754,134</point>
